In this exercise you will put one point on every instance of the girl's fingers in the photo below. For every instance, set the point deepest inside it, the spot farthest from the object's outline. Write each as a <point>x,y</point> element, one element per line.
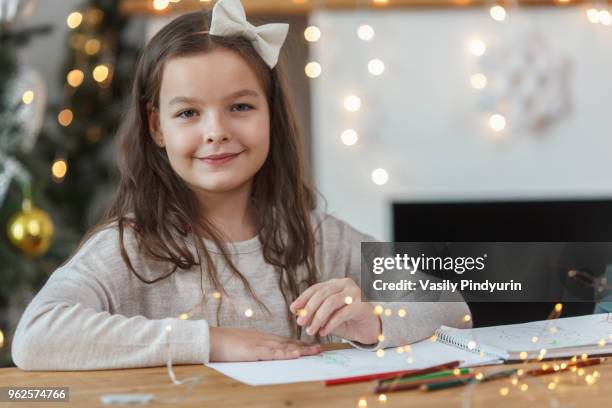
<point>340,316</point>
<point>315,302</point>
<point>285,352</point>
<point>304,297</point>
<point>323,314</point>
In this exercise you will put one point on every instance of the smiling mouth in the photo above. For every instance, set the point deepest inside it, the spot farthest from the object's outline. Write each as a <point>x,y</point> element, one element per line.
<point>217,160</point>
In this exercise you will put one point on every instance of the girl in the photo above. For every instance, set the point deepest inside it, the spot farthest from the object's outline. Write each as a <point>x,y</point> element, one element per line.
<point>213,230</point>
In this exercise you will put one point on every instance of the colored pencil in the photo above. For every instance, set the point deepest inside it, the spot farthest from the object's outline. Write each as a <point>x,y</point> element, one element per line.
<point>438,374</point>
<point>392,374</point>
<point>417,384</point>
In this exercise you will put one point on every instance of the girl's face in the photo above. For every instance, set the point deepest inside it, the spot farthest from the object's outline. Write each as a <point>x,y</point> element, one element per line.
<point>213,121</point>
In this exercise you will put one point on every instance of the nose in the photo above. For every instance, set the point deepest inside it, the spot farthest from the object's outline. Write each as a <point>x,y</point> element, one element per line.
<point>215,130</point>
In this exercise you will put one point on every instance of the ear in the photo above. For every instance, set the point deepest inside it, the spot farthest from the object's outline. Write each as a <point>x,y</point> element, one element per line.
<point>154,129</point>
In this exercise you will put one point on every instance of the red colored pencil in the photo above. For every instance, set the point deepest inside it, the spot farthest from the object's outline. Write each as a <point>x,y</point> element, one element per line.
<point>392,374</point>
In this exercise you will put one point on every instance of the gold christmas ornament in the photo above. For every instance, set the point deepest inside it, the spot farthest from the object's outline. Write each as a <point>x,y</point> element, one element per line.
<point>31,230</point>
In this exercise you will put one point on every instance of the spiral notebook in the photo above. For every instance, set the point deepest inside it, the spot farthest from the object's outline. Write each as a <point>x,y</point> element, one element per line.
<point>558,338</point>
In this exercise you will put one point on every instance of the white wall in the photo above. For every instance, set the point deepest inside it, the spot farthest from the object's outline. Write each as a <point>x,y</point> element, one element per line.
<point>421,119</point>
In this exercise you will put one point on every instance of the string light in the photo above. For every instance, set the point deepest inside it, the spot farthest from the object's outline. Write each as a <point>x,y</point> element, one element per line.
<point>605,17</point>
<point>380,338</point>
<point>382,398</point>
<point>467,318</point>
<point>477,48</point>
<point>478,81</point>
<point>380,177</point>
<point>498,13</point>
<point>471,344</point>
<point>349,137</point>
<point>74,20</point>
<point>59,169</point>
<point>479,376</point>
<point>28,97</point>
<point>365,32</point>
<point>302,312</point>
<point>312,34</point>
<point>348,300</point>
<point>184,316</point>
<point>1,339</point>
<point>313,69</point>
<point>378,310</point>
<point>362,403</point>
<point>248,313</point>
<point>380,353</point>
<point>65,117</point>
<point>401,312</point>
<point>524,387</point>
<point>388,312</point>
<point>376,67</point>
<point>160,4</point>
<point>92,46</point>
<point>352,103</point>
<point>217,295</point>
<point>593,15</point>
<point>504,391</point>
<point>410,360</point>
<point>100,73</point>
<point>75,78</point>
<point>497,122</point>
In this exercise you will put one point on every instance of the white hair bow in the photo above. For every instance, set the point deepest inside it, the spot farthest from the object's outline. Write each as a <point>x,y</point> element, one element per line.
<point>229,19</point>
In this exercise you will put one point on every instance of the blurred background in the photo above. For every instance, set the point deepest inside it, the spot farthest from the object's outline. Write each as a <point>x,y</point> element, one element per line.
<point>423,119</point>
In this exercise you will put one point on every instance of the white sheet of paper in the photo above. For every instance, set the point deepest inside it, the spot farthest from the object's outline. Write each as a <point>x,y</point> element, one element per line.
<point>347,363</point>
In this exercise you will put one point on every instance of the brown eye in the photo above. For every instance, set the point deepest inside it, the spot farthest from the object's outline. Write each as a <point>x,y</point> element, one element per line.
<point>241,107</point>
<point>186,114</point>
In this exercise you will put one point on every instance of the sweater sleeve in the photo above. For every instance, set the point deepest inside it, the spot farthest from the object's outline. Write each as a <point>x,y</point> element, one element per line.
<point>69,325</point>
<point>420,320</point>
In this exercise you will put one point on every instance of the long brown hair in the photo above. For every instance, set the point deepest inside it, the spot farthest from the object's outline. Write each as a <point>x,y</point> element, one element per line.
<point>164,212</point>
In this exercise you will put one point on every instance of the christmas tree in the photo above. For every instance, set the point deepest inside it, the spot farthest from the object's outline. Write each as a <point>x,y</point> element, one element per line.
<point>55,180</point>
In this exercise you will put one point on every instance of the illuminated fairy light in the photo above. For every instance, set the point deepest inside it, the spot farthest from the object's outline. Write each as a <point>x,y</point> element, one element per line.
<point>523,355</point>
<point>456,372</point>
<point>100,73</point>
<point>471,345</point>
<point>467,318</point>
<point>378,310</point>
<point>313,69</point>
<point>433,338</point>
<point>478,81</point>
<point>28,97</point>
<point>497,122</point>
<point>543,352</point>
<point>74,20</point>
<point>184,316</point>
<point>362,403</point>
<point>376,67</point>
<point>1,339</point>
<point>75,78</point>
<point>534,339</point>
<point>160,4</point>
<point>388,312</point>
<point>349,137</point>
<point>584,357</point>
<point>92,46</point>
<point>580,372</point>
<point>302,312</point>
<point>479,376</point>
<point>498,13</point>
<point>65,117</point>
<point>504,391</point>
<point>348,300</point>
<point>217,295</point>
<point>520,372</point>
<point>365,32</point>
<point>380,2</point>
<point>59,169</point>
<point>410,360</point>
<point>558,307</point>
<point>477,48</point>
<point>399,350</point>
<point>380,177</point>
<point>168,329</point>
<point>380,353</point>
<point>407,348</point>
<point>593,15</point>
<point>605,17</point>
<point>552,385</point>
<point>382,397</point>
<point>312,34</point>
<point>524,387</point>
<point>401,312</point>
<point>601,342</point>
<point>352,103</point>
<point>380,338</point>
<point>248,313</point>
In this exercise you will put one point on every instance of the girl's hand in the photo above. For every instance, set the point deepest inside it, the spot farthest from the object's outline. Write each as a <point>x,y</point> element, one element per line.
<point>335,307</point>
<point>228,344</point>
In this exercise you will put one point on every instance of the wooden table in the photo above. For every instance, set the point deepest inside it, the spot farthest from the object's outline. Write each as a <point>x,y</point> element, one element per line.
<point>216,390</point>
